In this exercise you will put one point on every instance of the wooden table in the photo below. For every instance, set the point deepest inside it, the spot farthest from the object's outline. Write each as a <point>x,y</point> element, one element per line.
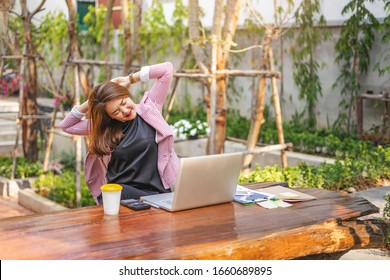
<point>225,231</point>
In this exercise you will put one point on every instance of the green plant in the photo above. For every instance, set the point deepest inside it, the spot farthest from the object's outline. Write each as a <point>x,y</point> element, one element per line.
<point>386,216</point>
<point>311,33</point>
<point>67,159</point>
<point>52,38</point>
<point>352,52</point>
<point>62,189</point>
<point>237,126</point>
<point>157,36</point>
<point>386,210</point>
<point>187,111</point>
<point>179,31</point>
<point>24,168</point>
<point>367,165</point>
<point>154,33</point>
<point>90,39</point>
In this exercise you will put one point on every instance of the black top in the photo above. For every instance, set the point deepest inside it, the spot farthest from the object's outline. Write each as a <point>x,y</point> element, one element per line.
<point>134,161</point>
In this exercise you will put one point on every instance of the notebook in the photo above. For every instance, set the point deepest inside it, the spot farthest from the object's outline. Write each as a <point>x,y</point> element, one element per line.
<point>287,194</point>
<point>202,181</point>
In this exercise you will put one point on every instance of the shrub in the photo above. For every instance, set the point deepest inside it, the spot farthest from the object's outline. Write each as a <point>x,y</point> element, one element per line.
<point>386,216</point>
<point>366,166</point>
<point>67,160</point>
<point>62,189</point>
<point>236,125</point>
<point>24,168</point>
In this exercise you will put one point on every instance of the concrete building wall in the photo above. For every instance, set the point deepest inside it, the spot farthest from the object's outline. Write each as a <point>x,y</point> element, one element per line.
<point>327,108</point>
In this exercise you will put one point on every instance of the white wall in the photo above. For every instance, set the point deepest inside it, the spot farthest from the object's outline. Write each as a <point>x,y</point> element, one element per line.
<point>50,6</point>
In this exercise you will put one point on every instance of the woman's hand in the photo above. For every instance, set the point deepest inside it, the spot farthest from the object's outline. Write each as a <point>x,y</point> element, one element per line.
<point>83,108</point>
<point>127,80</point>
<point>123,81</point>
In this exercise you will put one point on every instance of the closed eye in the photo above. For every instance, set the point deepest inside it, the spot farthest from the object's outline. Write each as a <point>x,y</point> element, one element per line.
<point>116,112</point>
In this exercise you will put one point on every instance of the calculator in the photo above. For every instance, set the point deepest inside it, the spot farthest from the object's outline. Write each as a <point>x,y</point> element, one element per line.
<point>135,204</point>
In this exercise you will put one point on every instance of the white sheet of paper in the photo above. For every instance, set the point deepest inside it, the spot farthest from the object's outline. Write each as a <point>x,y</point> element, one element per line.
<point>267,204</point>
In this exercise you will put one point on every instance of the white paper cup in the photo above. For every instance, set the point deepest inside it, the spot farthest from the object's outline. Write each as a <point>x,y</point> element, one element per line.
<point>111,198</point>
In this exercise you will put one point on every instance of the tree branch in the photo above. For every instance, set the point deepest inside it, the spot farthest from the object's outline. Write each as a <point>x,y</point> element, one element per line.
<point>38,9</point>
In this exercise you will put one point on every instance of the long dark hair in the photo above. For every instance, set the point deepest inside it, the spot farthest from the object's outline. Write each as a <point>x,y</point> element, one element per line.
<point>105,133</point>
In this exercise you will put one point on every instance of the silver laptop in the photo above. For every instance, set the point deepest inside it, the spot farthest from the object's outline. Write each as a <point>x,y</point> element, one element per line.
<point>202,181</point>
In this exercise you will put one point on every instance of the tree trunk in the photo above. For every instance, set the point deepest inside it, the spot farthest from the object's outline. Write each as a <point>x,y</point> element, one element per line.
<point>74,46</point>
<point>255,64</point>
<point>216,34</point>
<point>137,23</point>
<point>78,77</point>
<point>233,8</point>
<point>127,37</point>
<point>226,35</point>
<point>30,106</point>
<point>106,38</point>
<point>217,19</point>
<point>231,17</point>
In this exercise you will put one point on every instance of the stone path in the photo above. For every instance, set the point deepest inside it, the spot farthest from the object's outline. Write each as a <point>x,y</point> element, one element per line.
<point>9,207</point>
<point>377,197</point>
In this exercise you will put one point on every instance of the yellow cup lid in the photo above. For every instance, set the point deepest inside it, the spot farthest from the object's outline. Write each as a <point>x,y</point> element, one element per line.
<point>111,187</point>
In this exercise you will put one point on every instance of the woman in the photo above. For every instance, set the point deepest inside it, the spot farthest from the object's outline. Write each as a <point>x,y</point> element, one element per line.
<point>130,144</point>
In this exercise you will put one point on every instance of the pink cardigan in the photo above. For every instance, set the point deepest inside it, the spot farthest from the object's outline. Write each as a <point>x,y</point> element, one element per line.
<point>149,109</point>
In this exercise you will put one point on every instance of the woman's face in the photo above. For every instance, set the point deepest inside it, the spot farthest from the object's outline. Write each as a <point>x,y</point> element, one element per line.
<point>122,109</point>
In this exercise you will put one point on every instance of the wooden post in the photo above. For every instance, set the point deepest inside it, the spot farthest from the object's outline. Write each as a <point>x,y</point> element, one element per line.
<point>53,120</point>
<point>257,116</point>
<point>213,95</point>
<point>172,98</point>
<point>359,114</point>
<point>20,113</point>
<point>278,113</point>
<point>385,117</point>
<point>268,149</point>
<point>1,65</point>
<point>173,94</point>
<point>50,139</point>
<point>77,139</point>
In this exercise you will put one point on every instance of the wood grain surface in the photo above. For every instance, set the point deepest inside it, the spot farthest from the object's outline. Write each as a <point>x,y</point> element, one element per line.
<point>224,231</point>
